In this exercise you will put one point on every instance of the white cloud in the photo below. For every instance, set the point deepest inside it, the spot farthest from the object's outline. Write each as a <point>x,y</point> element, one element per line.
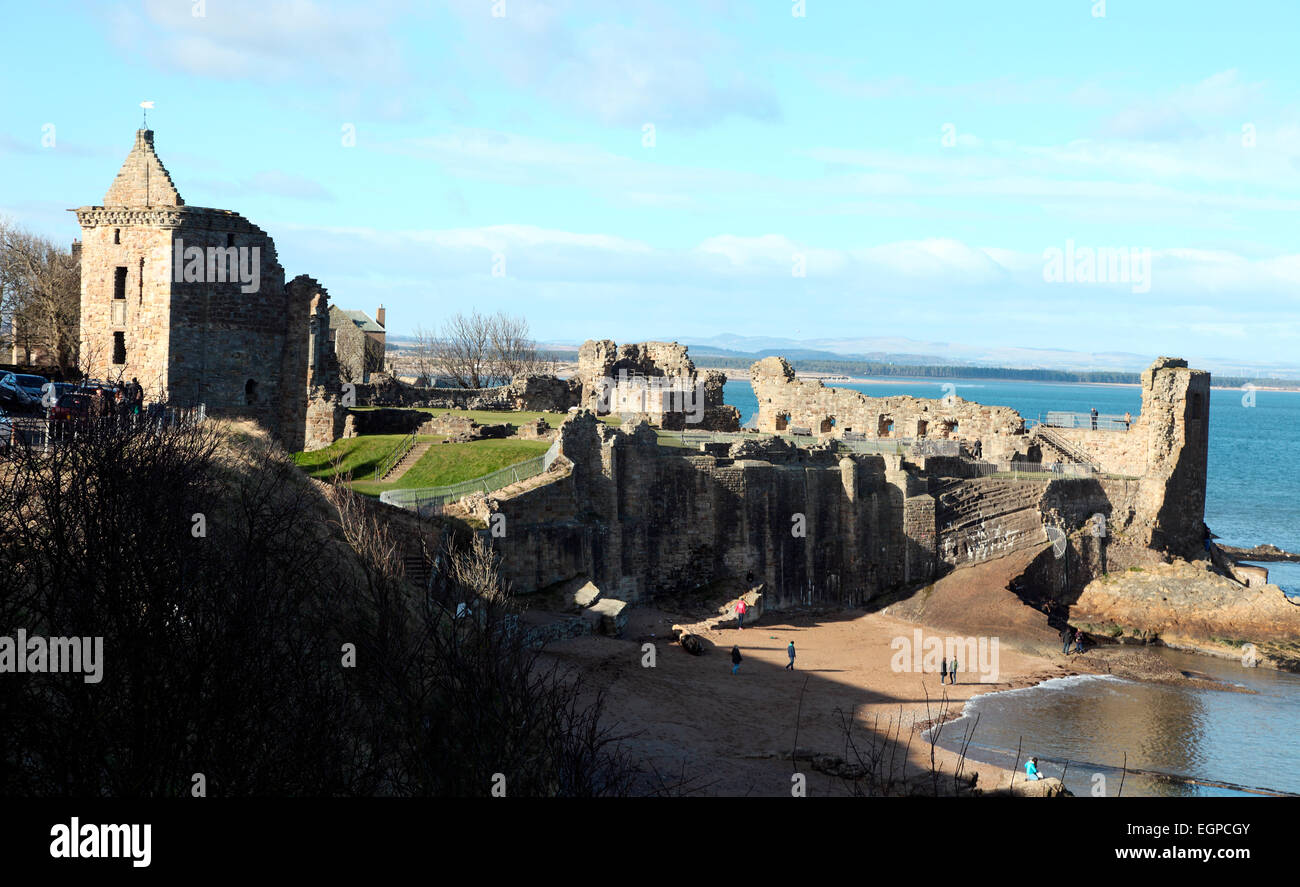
<point>651,66</point>
<point>266,40</point>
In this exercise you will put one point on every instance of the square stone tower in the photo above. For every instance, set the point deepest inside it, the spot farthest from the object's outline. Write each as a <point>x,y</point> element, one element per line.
<point>192,302</point>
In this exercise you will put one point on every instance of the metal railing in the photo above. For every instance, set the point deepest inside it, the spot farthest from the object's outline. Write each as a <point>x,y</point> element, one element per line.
<point>1100,422</point>
<point>389,462</point>
<point>40,433</point>
<point>867,446</point>
<point>427,499</point>
<point>1030,470</point>
<point>1046,434</point>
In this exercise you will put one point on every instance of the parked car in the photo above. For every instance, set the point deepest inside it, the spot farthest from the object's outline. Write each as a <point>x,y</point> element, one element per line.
<point>71,402</point>
<point>17,394</point>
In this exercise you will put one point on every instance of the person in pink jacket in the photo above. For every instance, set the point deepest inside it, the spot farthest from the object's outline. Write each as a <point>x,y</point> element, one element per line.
<point>740,614</point>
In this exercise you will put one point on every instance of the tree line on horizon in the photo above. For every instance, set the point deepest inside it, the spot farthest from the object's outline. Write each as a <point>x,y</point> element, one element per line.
<point>862,368</point>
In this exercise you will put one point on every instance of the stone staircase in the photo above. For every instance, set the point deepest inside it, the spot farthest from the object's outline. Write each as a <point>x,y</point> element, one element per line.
<point>1043,434</point>
<point>404,464</point>
<point>986,518</point>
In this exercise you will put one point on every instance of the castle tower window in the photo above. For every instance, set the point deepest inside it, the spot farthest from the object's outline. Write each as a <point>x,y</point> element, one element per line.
<point>117,235</point>
<point>119,282</point>
<point>782,421</point>
<point>250,391</point>
<point>119,348</point>
<point>230,240</point>
<point>922,426</point>
<point>828,424</point>
<point>886,427</point>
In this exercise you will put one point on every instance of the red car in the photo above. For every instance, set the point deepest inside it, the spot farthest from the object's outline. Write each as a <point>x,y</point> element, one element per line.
<point>70,403</point>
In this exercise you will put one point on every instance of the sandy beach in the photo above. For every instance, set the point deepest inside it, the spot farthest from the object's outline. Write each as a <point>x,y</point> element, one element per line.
<point>704,730</point>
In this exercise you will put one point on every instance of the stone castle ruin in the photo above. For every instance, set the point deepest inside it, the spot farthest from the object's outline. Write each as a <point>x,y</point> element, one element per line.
<point>825,523</point>
<point>786,403</point>
<point>654,379</point>
<point>193,303</point>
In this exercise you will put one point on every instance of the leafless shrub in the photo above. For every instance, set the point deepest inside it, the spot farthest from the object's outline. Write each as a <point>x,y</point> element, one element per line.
<point>224,651</point>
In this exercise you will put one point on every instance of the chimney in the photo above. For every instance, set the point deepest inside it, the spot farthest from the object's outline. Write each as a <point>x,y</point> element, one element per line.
<point>379,317</point>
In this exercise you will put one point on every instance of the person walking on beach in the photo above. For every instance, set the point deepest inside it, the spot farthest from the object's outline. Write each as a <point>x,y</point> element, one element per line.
<point>1078,641</point>
<point>952,670</point>
<point>1093,415</point>
<point>735,659</point>
<point>740,614</point>
<point>789,666</point>
<point>1031,769</point>
<point>1066,636</point>
<point>943,671</point>
<point>1128,421</point>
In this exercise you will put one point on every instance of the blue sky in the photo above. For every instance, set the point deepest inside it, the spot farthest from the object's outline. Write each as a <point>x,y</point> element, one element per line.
<point>916,160</point>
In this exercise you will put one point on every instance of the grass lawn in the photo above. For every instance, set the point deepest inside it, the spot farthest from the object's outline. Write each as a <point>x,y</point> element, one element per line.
<point>360,455</point>
<point>452,463</point>
<point>443,464</point>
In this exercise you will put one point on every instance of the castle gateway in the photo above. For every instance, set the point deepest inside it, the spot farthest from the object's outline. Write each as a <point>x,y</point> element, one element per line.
<point>192,302</point>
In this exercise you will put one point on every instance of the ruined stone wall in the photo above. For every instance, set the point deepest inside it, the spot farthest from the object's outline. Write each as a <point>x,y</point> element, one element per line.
<point>1166,446</point>
<point>324,420</point>
<point>630,380</point>
<point>1167,449</point>
<point>785,401</point>
<point>640,521</point>
<point>539,393</point>
<point>1114,452</point>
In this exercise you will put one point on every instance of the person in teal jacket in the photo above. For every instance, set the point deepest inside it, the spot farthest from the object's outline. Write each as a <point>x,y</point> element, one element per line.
<point>1031,769</point>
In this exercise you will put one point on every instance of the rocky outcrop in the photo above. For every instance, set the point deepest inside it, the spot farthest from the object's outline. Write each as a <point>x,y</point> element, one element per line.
<point>1187,604</point>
